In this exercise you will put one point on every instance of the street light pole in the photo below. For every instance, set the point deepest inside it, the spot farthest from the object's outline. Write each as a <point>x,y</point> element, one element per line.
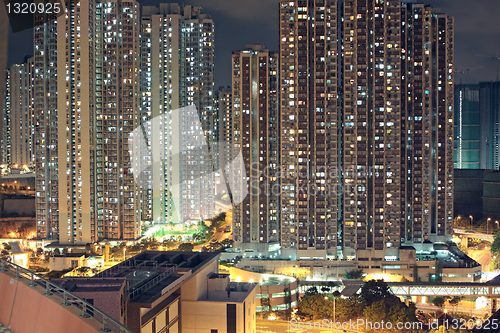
<point>334,311</point>
<point>471,221</point>
<point>488,225</point>
<point>333,296</point>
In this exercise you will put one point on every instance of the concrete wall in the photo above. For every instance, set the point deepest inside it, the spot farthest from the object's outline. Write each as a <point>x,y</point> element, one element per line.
<point>204,316</point>
<point>268,289</point>
<point>25,309</point>
<point>60,263</point>
<point>327,270</point>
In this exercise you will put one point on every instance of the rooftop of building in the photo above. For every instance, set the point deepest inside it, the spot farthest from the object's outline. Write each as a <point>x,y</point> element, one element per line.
<point>151,274</point>
<point>90,284</point>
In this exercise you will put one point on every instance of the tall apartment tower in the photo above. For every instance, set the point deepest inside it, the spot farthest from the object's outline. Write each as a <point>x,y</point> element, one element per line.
<point>46,126</point>
<point>177,57</point>
<point>427,56</point>
<point>255,128</point>
<point>309,118</point>
<point>224,106</point>
<point>467,126</point>
<point>489,104</point>
<point>372,127</point>
<point>388,67</point>
<point>19,114</point>
<point>98,104</point>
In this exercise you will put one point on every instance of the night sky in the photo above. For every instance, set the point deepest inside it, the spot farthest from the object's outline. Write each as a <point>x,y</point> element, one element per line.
<point>242,22</point>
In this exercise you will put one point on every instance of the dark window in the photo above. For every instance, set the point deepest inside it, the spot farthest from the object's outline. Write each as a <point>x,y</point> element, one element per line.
<point>213,331</point>
<point>231,318</point>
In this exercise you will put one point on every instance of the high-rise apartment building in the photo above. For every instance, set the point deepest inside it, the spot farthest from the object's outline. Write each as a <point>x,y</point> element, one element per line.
<point>309,118</point>
<point>223,105</point>
<point>367,127</point>
<point>255,132</point>
<point>46,126</point>
<point>19,115</point>
<point>427,56</point>
<point>477,112</point>
<point>117,197</point>
<point>177,57</point>
<point>467,126</point>
<point>489,106</point>
<point>85,187</point>
<point>98,104</point>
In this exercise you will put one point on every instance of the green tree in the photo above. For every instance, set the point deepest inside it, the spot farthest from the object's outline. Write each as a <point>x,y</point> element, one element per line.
<point>311,291</point>
<point>186,247</point>
<point>374,290</point>
<point>348,308</point>
<point>377,311</point>
<point>495,246</point>
<point>315,306</point>
<point>439,301</point>
<point>402,314</point>
<point>288,302</point>
<point>355,274</point>
<point>443,329</point>
<point>455,301</point>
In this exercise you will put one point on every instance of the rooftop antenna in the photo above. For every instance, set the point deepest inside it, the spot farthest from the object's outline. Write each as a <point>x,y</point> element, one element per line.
<point>494,57</point>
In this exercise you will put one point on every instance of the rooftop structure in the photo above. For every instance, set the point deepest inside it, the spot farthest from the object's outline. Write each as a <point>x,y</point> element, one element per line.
<point>171,289</point>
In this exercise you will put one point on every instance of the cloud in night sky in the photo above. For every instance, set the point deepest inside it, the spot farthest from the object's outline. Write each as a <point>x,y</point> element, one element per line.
<point>242,22</point>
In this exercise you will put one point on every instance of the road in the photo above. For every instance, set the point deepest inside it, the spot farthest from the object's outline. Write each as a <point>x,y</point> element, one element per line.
<point>450,309</point>
<point>219,236</point>
<point>483,257</point>
<point>271,326</point>
<point>474,234</point>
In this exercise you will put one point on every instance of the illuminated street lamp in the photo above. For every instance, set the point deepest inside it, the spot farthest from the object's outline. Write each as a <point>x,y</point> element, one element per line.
<point>471,221</point>
<point>326,298</point>
<point>488,225</point>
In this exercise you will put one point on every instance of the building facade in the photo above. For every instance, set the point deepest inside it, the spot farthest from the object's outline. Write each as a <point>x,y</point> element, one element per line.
<point>476,125</point>
<point>255,131</point>
<point>19,116</point>
<point>489,106</point>
<point>46,126</point>
<point>382,169</point>
<point>427,112</point>
<point>309,118</point>
<point>83,118</point>
<point>467,126</point>
<point>177,106</point>
<point>223,104</point>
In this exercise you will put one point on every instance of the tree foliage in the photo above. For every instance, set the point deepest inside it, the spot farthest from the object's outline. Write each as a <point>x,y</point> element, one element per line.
<point>374,290</point>
<point>495,246</point>
<point>349,308</point>
<point>439,301</point>
<point>314,306</point>
<point>187,247</point>
<point>311,291</point>
<point>355,274</point>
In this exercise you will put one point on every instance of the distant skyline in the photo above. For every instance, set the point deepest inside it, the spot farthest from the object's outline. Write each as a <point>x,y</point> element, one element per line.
<point>244,22</point>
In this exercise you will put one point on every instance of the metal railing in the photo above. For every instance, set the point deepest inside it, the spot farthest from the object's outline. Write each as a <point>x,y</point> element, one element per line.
<point>68,299</point>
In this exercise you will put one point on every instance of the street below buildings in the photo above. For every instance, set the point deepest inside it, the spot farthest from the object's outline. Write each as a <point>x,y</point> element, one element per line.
<point>451,310</point>
<point>278,326</point>
<point>483,257</point>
